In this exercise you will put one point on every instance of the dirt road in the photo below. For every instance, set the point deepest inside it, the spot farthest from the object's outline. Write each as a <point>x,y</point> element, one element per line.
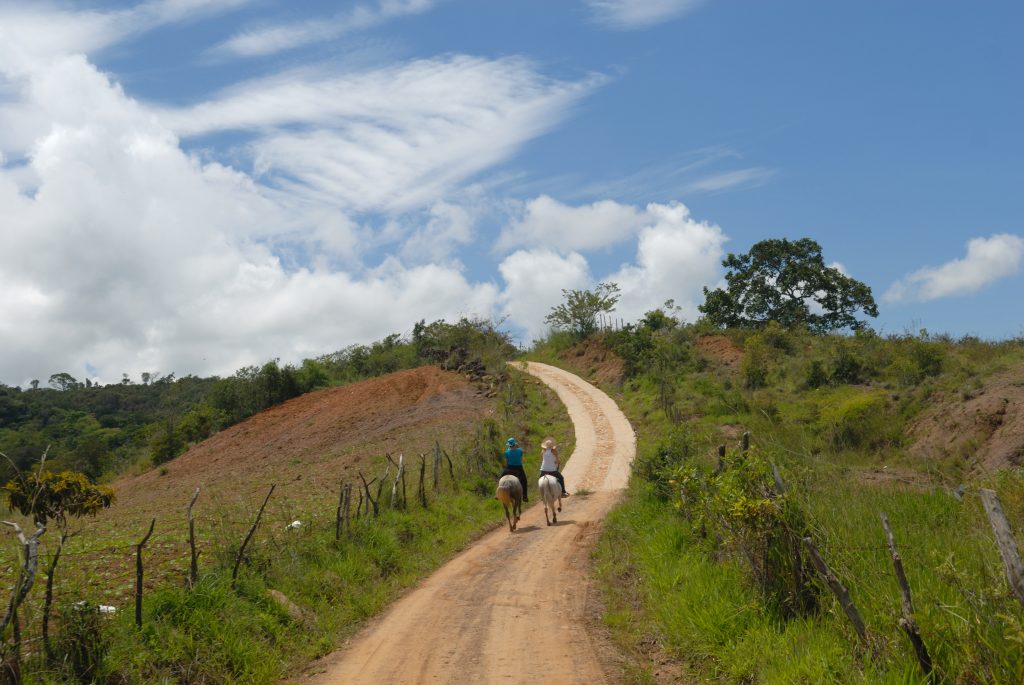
<point>512,608</point>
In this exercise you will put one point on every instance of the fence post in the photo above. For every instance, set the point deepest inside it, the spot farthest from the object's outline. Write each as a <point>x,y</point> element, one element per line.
<point>746,441</point>
<point>369,497</point>
<point>138,575</point>
<point>248,536</point>
<point>422,488</point>
<point>907,622</point>
<point>1006,543</point>
<point>837,589</point>
<point>193,569</point>
<point>338,516</point>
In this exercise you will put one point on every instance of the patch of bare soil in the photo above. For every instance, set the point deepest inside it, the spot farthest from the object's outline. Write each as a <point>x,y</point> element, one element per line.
<point>596,362</point>
<point>986,430</point>
<point>720,350</point>
<point>898,478</point>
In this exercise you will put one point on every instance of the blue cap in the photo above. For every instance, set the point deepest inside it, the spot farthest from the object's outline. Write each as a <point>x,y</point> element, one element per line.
<point>511,442</point>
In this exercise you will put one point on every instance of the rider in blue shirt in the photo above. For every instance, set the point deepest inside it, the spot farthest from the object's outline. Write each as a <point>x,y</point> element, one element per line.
<point>514,464</point>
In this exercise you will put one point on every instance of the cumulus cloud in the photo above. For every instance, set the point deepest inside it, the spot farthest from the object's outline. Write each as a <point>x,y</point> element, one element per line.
<point>549,223</point>
<point>534,280</point>
<point>393,138</point>
<point>676,257</point>
<point>987,260</point>
<point>267,40</point>
<point>124,253</point>
<point>638,14</point>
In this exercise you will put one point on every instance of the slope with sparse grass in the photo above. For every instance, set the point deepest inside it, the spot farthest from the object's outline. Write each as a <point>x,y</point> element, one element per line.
<point>856,425</point>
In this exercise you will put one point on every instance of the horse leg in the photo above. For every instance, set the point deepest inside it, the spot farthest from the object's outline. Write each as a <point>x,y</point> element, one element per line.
<point>511,526</point>
<point>559,503</point>
<point>546,520</point>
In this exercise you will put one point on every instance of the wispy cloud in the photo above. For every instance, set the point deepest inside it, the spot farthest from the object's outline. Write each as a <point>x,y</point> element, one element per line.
<point>987,260</point>
<point>32,33</point>
<point>627,15</point>
<point>269,40</point>
<point>386,139</point>
<point>732,180</point>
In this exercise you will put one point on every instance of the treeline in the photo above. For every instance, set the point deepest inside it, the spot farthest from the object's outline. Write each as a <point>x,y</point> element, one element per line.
<point>100,430</point>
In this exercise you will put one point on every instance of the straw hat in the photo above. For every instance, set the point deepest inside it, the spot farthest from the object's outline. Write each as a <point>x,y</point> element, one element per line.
<point>548,443</point>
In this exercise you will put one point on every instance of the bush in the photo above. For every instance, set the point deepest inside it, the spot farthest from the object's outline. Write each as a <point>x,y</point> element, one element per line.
<point>864,420</point>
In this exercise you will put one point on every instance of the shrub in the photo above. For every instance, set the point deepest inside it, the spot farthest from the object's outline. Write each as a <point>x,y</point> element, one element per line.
<point>861,421</point>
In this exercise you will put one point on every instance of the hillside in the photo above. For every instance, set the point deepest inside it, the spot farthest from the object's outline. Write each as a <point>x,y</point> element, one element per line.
<point>707,574</point>
<point>310,443</point>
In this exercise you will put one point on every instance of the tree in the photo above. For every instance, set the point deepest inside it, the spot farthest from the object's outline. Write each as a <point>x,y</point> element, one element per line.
<point>579,312</point>
<point>779,280</point>
<point>58,497</point>
<point>63,381</point>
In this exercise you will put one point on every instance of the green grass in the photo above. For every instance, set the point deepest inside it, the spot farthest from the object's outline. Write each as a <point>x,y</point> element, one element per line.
<point>837,446</point>
<point>218,634</point>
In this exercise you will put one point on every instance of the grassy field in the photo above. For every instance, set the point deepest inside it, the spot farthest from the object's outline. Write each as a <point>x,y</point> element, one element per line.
<point>214,633</point>
<point>691,560</point>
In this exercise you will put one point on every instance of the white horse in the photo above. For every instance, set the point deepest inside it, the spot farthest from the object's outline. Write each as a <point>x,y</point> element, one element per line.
<point>550,491</point>
<point>510,494</point>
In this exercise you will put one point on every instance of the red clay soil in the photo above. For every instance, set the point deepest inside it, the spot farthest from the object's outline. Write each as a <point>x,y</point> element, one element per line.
<point>720,350</point>
<point>986,430</point>
<point>317,438</point>
<point>595,362</point>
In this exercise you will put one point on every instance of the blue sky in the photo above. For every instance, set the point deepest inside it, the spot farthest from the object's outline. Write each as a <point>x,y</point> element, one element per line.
<point>196,185</point>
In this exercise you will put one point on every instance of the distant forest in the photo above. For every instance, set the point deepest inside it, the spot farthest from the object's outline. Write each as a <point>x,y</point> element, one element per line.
<point>103,430</point>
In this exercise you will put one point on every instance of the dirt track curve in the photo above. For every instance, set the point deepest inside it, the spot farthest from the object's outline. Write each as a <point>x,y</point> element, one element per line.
<point>511,608</point>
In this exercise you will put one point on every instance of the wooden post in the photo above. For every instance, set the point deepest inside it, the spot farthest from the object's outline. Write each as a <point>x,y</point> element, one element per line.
<point>437,465</point>
<point>451,466</point>
<point>422,488</point>
<point>837,589</point>
<point>27,572</point>
<point>405,501</point>
<point>369,497</point>
<point>746,442</point>
<point>193,569</point>
<point>48,597</point>
<point>338,517</point>
<point>721,460</point>
<point>1006,543</point>
<point>348,508</point>
<point>248,536</point>
<point>907,622</point>
<point>399,477</point>
<point>138,574</point>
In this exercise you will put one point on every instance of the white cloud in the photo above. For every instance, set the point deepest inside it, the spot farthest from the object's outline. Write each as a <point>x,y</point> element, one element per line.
<point>534,280</point>
<point>730,180</point>
<point>987,260</point>
<point>122,252</point>
<point>448,227</point>
<point>548,223</point>
<point>33,33</point>
<point>394,138</point>
<point>638,14</point>
<point>676,258</point>
<point>268,40</point>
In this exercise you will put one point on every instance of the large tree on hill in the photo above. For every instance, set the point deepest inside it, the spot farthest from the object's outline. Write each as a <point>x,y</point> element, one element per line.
<point>579,312</point>
<point>779,280</point>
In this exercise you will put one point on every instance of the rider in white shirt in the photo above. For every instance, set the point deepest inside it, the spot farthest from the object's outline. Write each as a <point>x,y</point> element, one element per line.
<point>550,464</point>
